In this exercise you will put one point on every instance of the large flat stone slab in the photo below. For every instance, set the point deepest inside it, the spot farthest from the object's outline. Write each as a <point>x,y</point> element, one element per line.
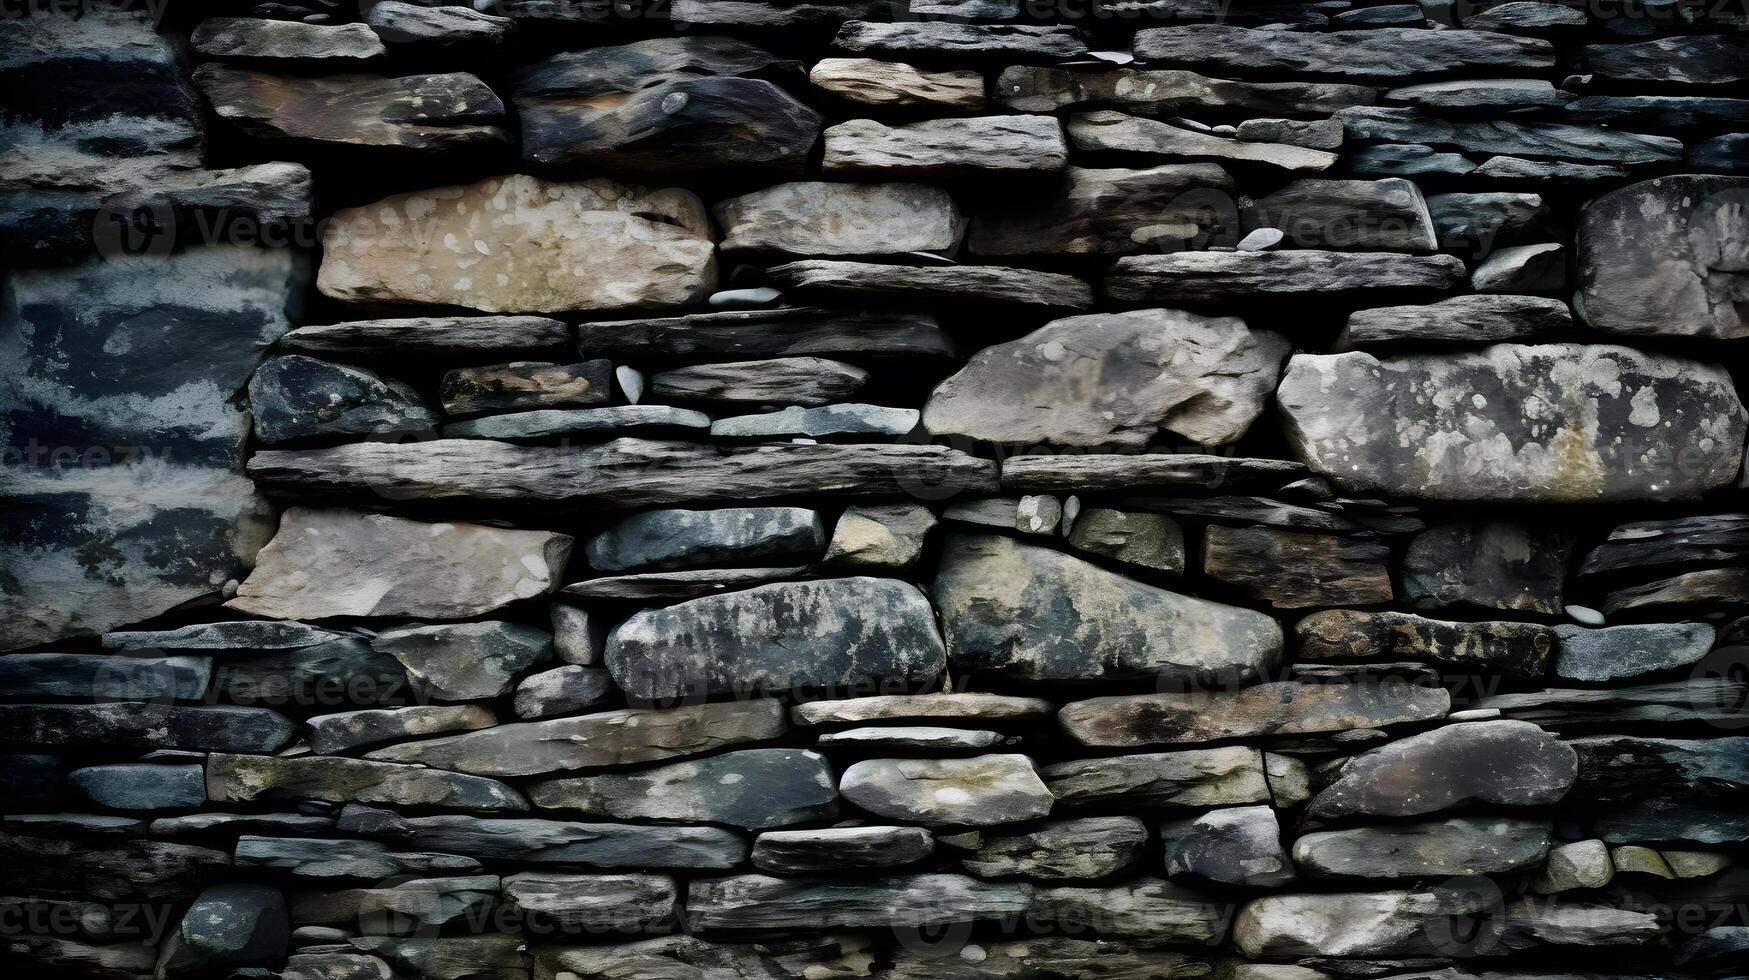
<point>1502,763</point>
<point>249,778</point>
<point>754,789</point>
<point>1275,708</point>
<point>1207,277</point>
<point>1384,52</point>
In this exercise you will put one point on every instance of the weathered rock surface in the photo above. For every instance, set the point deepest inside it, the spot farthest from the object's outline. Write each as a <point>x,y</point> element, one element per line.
<point>489,339</point>
<point>1108,212</point>
<point>612,421</point>
<point>276,41</point>
<point>1239,846</point>
<point>1275,708</point>
<point>1515,649</point>
<point>910,737</point>
<point>297,397</point>
<point>1620,652</point>
<point>844,421</point>
<point>1033,89</point>
<point>609,246</point>
<point>1035,613</point>
<point>990,284</point>
<point>936,39</point>
<point>788,852</point>
<point>1435,849</point>
<point>562,691</point>
<point>1488,449</point>
<point>345,730</point>
<point>978,792</point>
<point>140,786</point>
<point>344,859</point>
<point>357,113</point>
<point>245,778</point>
<point>524,385</point>
<point>1377,215</point>
<point>755,789</point>
<point>760,902</point>
<point>1113,379</point>
<point>1215,276</point>
<point>982,708</point>
<point>781,380</point>
<point>147,725</point>
<point>1293,570</point>
<point>1468,319</point>
<point>791,331</point>
<point>442,30</point>
<point>465,661</point>
<point>1522,269</point>
<point>1149,541</point>
<point>1503,763</point>
<point>1097,472</point>
<point>1711,700</point>
<point>1084,847</point>
<point>1712,59</point>
<point>605,738</point>
<point>818,218</point>
<point>771,638</point>
<point>47,676</point>
<point>669,587</point>
<point>971,146</point>
<point>692,538</point>
<point>1482,138</point>
<point>1385,52</point>
<point>594,903</point>
<point>892,83</point>
<point>1147,908</point>
<point>335,562</point>
<point>566,843</point>
<point>1657,258</point>
<point>229,925</point>
<point>1356,924</point>
<point>1614,768</point>
<point>1105,131</point>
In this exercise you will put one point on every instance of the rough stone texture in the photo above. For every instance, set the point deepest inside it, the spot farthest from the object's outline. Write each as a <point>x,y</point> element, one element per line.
<point>760,902</point>
<point>1109,211</point>
<point>1238,846</point>
<point>984,145</point>
<point>1505,763</point>
<point>789,852</point>
<point>754,789</point>
<point>297,397</point>
<point>1213,276</point>
<point>890,83</point>
<point>243,778</point>
<point>1440,848</point>
<point>357,113</point>
<point>1487,448</point>
<point>1290,570</point>
<point>1516,649</point>
<point>816,218</point>
<point>1621,652</point>
<point>978,792</point>
<point>1375,215</point>
<point>1386,52</point>
<point>345,730</point>
<point>1495,564</point>
<point>780,380</point>
<point>468,661</point>
<point>691,538</point>
<point>1114,132</point>
<point>1275,708</point>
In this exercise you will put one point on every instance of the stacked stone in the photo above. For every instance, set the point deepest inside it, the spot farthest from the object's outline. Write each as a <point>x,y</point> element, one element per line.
<point>847,489</point>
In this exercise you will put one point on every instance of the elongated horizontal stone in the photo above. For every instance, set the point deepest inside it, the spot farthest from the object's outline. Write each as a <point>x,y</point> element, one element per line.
<point>1085,847</point>
<point>607,738</point>
<point>993,284</point>
<point>342,859</point>
<point>935,40</point>
<point>679,586</point>
<point>1229,776</point>
<point>759,902</point>
<point>1710,539</point>
<point>795,331</point>
<point>1505,763</point>
<point>1385,52</point>
<point>1293,570</point>
<point>1702,700</point>
<point>1098,472</point>
<point>855,632</point>
<point>1108,212</point>
<point>246,634</point>
<point>1235,846</point>
<point>564,842</point>
<point>454,111</point>
<point>1341,635</point>
<point>1213,276</point>
<point>825,421</point>
<point>341,731</point>
<point>487,338</point>
<point>1614,768</point>
<point>1105,131</point>
<point>1564,141</point>
<point>1467,319</point>
<point>147,725</point>
<point>752,788</point>
<point>975,792</point>
<point>266,41</point>
<point>1707,59</point>
<point>980,708</point>
<point>246,778</point>
<point>613,420</point>
<point>1147,908</point>
<point>417,904</point>
<point>1619,652</point>
<point>594,903</point>
<point>687,538</point>
<point>1026,88</point>
<point>624,472</point>
<point>1356,924</point>
<point>773,381</point>
<point>465,661</point>
<point>34,676</point>
<point>891,83</point>
<point>1683,418</point>
<point>1384,215</point>
<point>1035,613</point>
<point>818,218</point>
<point>140,786</point>
<point>974,145</point>
<point>1440,848</point>
<point>839,848</point>
<point>1275,708</point>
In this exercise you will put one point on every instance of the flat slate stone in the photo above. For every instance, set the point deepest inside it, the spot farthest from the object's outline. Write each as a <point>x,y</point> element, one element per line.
<point>146,725</point>
<point>1100,472</point>
<point>1616,653</point>
<point>1294,570</point>
<point>1460,319</point>
<point>416,905</point>
<point>977,792</point>
<point>255,40</point>
<point>592,904</point>
<point>1274,708</point>
<point>1020,610</point>
<point>298,397</point>
<point>1653,259</point>
<point>392,251</point>
<point>780,381</point>
<point>140,786</point>
<point>1717,700</point>
<point>984,146</point>
<point>1113,379</point>
<point>1403,923</point>
<point>343,859</point>
<point>1363,215</point>
<point>465,661</point>
<point>1471,94</point>
<point>524,385</point>
<point>1147,909</point>
<point>562,691</point>
<point>1108,212</point>
<point>868,81</point>
<point>246,778</point>
<point>1385,52</point>
<point>1511,648</point>
<point>755,789</point>
<point>937,40</point>
<point>1563,141</point>
<point>981,708</point>
<point>1105,131</point>
<point>989,284</point>
<point>661,588</point>
<point>337,562</point>
<point>243,634</point>
<point>821,422</point>
<point>1026,88</point>
<point>817,218</point>
<point>760,902</point>
<point>1235,846</point>
<point>1225,276</point>
<point>346,730</point>
<point>825,634</point>
<point>690,538</point>
<point>487,338</point>
<point>826,955</point>
<point>1595,397</point>
<point>568,843</point>
<point>611,421</point>
<point>1706,59</point>
<point>789,331</point>
<point>1454,847</point>
<point>357,113</point>
<point>1616,768</point>
<point>606,738</point>
<point>1663,821</point>
<point>907,737</point>
<point>446,30</point>
<point>1501,763</point>
<point>836,849</point>
<point>42,676</point>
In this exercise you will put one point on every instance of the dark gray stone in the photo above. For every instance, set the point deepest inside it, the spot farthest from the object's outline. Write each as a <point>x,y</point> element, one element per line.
<point>1147,909</point>
<point>567,843</point>
<point>141,786</point>
<point>823,634</point>
<point>410,114</point>
<point>525,386</point>
<point>668,539</point>
<point>1502,763</point>
<point>1366,215</point>
<point>790,331</point>
<point>1407,160</point>
<point>818,218</point>
<point>466,661</point>
<point>1483,219</point>
<point>1616,653</point>
<point>1454,847</point>
<point>1496,564</point>
<point>122,869</point>
<point>1238,846</point>
<point>245,778</point>
<point>662,588</point>
<point>977,792</point>
<point>1095,472</point>
<point>42,676</point>
<point>562,691</point>
<point>1109,212</point>
<point>1386,52</point>
<point>938,40</point>
<point>593,904</point>
<point>1341,635</point>
<point>1461,319</point>
<point>1107,132</point>
<point>287,43</point>
<point>983,709</point>
<point>759,902</point>
<point>346,667</point>
<point>228,926</point>
<point>608,422</point>
<point>1703,59</point>
<point>247,634</point>
<point>835,849</point>
<point>992,285</point>
<point>346,730</point>
<point>755,789</point>
<point>1616,768</point>
<point>1294,570</point>
<point>486,339</point>
<point>1225,276</point>
<point>1563,141</point>
<point>145,725</point>
<point>1522,269</point>
<point>1274,708</point>
<point>1031,89</point>
<point>826,955</point>
<point>825,421</point>
<point>1083,847</point>
<point>344,859</point>
<point>1150,541</point>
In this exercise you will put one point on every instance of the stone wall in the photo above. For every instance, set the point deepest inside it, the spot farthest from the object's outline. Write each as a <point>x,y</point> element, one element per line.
<point>799,489</point>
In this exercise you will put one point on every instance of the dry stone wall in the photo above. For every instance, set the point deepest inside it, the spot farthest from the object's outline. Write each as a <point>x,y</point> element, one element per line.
<point>800,489</point>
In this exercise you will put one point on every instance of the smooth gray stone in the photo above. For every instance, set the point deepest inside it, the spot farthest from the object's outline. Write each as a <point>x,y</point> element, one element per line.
<point>226,926</point>
<point>613,420</point>
<point>1454,847</point>
<point>1502,763</point>
<point>356,113</point>
<point>1649,260</point>
<point>1408,160</point>
<point>1382,15</point>
<point>1108,212</point>
<point>1496,564</point>
<point>336,47</point>
<point>1538,268</point>
<point>1038,515</point>
<point>1113,379</point>
<point>1704,59</point>
<point>1318,134</point>
<point>823,421</point>
<point>945,707</point>
<point>1149,909</point>
<point>445,29</point>
<point>418,905</point>
<point>857,632</point>
<point>606,738</point>
<point>1105,131</point>
<point>141,786</point>
<point>346,669</point>
<point>1671,112</point>
<point>1346,636</point>
<point>1225,276</point>
<point>861,281</point>
<point>981,41</point>
<point>669,539</point>
<point>760,902</point>
<point>1564,141</point>
<point>984,146</point>
<point>347,730</point>
<point>1705,700</point>
<point>834,849</point>
<point>1273,708</point>
<point>1382,215</point>
<point>1470,94</point>
<point>525,385</point>
<point>1572,451</point>
<point>820,218</point>
<point>592,904</point>
<point>465,661</point>
<point>1422,922</point>
<point>562,691</point>
<point>484,338</point>
<point>207,824</point>
<point>338,562</point>
<point>781,380</point>
<point>1296,570</point>
<point>1461,319</point>
<point>755,789</point>
<point>297,397</point>
<point>144,725</point>
<point>340,859</point>
<point>910,737</point>
<point>788,331</point>
<point>977,792</point>
<point>1238,846</point>
<point>1614,768</point>
<point>248,634</point>
<point>34,676</point>
<point>1488,217</point>
<point>1616,653</point>
<point>1032,89</point>
<point>1098,472</point>
<point>1023,611</point>
<point>671,587</point>
<point>1385,52</point>
<point>1083,847</point>
<point>565,842</point>
<point>246,778</point>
